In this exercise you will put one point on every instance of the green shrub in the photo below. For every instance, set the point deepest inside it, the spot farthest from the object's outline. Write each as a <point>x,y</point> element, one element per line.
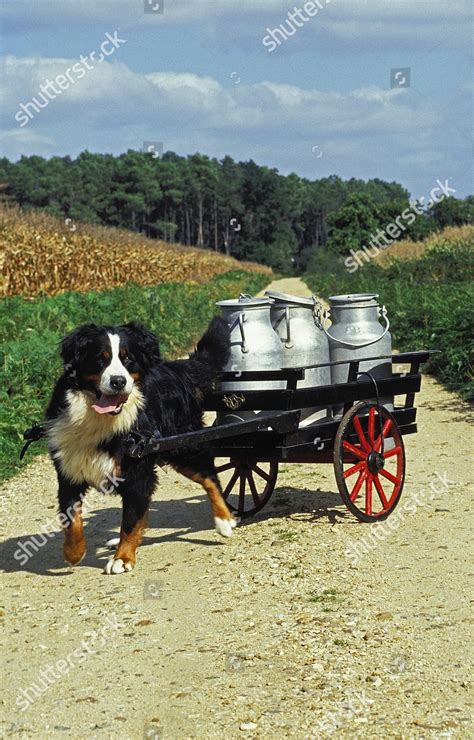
<point>30,330</point>
<point>429,300</point>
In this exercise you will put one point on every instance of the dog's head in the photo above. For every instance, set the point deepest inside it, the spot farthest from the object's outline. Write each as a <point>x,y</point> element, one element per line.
<point>109,361</point>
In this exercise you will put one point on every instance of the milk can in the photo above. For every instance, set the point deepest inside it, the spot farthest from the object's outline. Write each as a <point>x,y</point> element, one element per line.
<point>303,343</point>
<point>254,346</point>
<point>356,332</point>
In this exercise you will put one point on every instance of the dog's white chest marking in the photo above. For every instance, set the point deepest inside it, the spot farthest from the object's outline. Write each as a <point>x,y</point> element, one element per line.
<point>75,435</point>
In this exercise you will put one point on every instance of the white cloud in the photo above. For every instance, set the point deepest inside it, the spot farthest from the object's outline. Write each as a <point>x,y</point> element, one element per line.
<point>18,142</point>
<point>189,91</point>
<point>357,22</point>
<point>369,131</point>
<point>183,99</point>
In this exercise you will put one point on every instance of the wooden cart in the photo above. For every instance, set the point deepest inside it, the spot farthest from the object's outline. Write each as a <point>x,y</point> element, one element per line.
<point>364,444</point>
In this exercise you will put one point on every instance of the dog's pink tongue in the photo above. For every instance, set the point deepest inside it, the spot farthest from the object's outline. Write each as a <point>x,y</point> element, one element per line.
<point>106,404</point>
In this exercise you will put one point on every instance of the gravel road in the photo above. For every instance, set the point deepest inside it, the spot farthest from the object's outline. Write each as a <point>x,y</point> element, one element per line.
<point>288,629</point>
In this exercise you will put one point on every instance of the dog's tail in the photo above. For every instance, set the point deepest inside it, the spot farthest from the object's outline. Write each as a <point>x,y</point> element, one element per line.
<point>213,349</point>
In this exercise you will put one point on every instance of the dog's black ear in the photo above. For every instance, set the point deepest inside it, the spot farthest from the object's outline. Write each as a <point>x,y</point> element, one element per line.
<point>76,343</point>
<point>145,344</point>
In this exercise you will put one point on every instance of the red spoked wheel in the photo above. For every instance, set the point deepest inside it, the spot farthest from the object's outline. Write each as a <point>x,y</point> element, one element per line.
<point>247,484</point>
<point>369,461</point>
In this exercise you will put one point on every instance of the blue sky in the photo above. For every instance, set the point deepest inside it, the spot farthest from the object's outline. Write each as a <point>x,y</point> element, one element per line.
<point>198,77</point>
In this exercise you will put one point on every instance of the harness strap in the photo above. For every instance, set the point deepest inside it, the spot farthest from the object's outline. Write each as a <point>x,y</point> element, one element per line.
<point>33,434</point>
<point>139,445</point>
<point>134,445</point>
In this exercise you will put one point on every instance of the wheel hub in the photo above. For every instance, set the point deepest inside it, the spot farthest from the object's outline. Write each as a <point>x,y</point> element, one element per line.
<point>375,462</point>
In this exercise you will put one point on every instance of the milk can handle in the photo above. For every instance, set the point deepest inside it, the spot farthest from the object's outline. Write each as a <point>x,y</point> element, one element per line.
<point>322,315</point>
<point>288,343</point>
<point>244,347</point>
<point>286,315</point>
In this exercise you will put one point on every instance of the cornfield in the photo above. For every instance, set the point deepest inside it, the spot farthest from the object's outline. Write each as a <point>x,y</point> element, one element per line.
<point>42,254</point>
<point>405,249</point>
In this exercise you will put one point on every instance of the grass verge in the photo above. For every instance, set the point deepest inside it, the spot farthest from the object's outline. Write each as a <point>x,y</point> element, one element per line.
<point>30,330</point>
<point>429,300</point>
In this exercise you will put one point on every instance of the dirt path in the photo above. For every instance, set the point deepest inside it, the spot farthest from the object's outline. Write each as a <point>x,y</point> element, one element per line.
<point>276,633</point>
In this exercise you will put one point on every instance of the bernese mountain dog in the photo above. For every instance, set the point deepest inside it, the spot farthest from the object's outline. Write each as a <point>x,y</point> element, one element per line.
<point>115,382</point>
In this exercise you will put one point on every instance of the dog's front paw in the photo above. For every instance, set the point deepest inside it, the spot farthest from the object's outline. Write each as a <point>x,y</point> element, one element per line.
<point>114,566</point>
<point>225,526</point>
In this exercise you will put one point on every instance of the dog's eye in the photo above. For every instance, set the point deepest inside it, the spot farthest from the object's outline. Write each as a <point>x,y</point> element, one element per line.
<point>102,359</point>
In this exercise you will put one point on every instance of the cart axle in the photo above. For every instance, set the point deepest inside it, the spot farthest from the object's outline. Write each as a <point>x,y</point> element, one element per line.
<point>375,462</point>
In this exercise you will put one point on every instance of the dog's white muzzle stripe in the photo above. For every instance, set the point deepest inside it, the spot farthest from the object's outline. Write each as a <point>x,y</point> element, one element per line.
<point>115,368</point>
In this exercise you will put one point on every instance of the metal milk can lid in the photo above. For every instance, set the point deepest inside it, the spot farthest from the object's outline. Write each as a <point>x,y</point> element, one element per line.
<point>244,301</point>
<point>354,299</point>
<point>287,298</point>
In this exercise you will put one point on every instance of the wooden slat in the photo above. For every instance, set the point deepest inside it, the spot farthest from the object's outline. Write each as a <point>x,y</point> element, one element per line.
<point>298,373</point>
<point>324,395</point>
<point>280,423</point>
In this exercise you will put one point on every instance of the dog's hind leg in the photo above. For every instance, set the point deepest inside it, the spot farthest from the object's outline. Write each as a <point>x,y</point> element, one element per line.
<point>202,470</point>
<point>136,492</point>
<point>70,497</point>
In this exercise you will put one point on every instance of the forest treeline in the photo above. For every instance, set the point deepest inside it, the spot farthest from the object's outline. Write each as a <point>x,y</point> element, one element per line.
<point>239,208</point>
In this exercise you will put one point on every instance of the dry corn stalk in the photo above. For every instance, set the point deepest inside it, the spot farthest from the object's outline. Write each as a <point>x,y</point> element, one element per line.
<point>40,254</point>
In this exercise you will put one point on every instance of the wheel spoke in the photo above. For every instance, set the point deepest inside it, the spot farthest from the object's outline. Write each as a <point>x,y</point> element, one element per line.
<point>386,428</point>
<point>355,450</point>
<point>381,492</point>
<point>231,483</point>
<point>253,488</point>
<point>243,478</point>
<point>360,434</point>
<point>225,467</point>
<point>261,473</point>
<point>371,426</point>
<point>358,485</point>
<point>391,453</point>
<point>368,494</point>
<point>245,493</point>
<point>390,477</point>
<point>355,468</point>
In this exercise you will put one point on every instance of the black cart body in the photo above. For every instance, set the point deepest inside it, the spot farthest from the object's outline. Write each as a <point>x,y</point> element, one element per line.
<point>365,444</point>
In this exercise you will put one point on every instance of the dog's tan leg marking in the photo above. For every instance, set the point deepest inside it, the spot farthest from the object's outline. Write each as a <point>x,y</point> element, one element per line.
<point>129,543</point>
<point>125,556</point>
<point>74,541</point>
<point>223,519</point>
